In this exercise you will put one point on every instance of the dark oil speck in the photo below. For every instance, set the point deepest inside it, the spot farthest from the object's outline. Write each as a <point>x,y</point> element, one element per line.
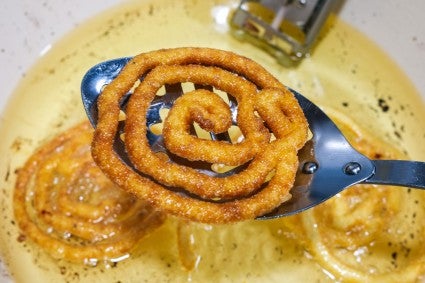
<point>19,142</point>
<point>383,105</point>
<point>7,175</point>
<point>21,238</point>
<point>394,256</point>
<point>398,135</point>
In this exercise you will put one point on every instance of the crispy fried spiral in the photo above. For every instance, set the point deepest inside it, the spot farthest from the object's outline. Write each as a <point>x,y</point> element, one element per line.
<point>265,109</point>
<point>64,203</point>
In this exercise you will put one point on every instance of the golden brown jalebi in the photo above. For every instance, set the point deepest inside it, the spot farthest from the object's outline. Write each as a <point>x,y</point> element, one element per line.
<point>65,204</point>
<point>265,109</point>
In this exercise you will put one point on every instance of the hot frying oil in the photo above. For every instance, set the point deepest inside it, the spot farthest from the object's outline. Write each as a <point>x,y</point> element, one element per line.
<point>338,75</point>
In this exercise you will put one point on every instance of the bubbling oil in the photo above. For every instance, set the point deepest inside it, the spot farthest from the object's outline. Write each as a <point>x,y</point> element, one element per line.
<point>339,75</point>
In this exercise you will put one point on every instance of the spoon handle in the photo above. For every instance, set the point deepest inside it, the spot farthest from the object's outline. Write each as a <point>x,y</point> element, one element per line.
<point>398,173</point>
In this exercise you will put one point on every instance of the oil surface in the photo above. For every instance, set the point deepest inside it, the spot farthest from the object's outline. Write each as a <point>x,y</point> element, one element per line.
<point>346,73</point>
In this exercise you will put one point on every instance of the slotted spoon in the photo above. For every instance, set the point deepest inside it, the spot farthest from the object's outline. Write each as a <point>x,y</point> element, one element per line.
<point>328,163</point>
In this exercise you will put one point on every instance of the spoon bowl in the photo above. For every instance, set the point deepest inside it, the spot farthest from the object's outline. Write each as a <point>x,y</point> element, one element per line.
<point>327,163</point>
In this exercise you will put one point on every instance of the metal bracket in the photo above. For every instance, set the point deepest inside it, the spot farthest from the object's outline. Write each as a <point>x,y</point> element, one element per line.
<point>285,28</point>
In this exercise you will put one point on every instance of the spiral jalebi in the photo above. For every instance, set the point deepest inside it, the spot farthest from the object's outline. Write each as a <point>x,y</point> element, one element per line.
<point>65,204</point>
<point>272,124</point>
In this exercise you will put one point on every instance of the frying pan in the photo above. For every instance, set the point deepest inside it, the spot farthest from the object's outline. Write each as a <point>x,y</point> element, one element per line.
<point>30,29</point>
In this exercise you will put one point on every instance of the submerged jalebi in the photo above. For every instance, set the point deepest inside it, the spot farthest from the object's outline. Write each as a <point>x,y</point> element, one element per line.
<point>367,233</point>
<point>64,203</point>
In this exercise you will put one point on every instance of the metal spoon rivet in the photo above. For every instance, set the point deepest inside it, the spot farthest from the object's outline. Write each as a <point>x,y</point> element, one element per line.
<point>352,168</point>
<point>310,167</point>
